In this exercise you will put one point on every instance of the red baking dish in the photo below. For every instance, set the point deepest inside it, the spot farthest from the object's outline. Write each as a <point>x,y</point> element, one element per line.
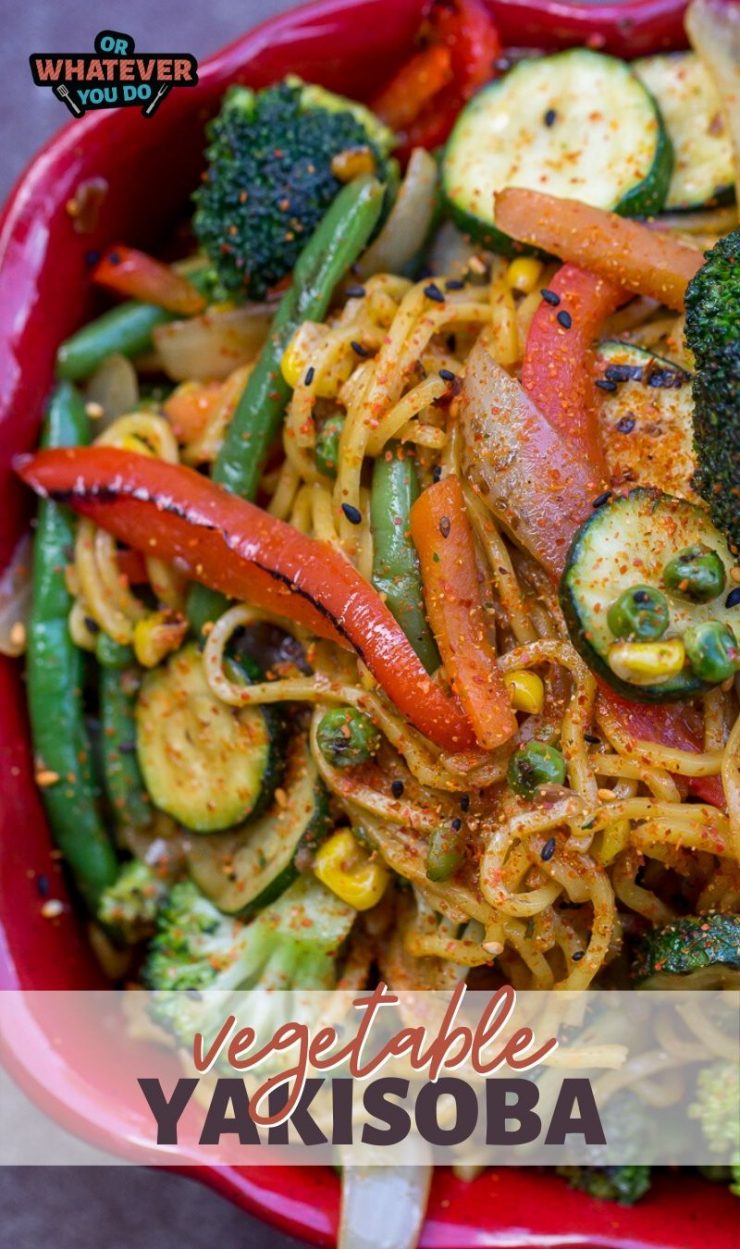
<point>150,165</point>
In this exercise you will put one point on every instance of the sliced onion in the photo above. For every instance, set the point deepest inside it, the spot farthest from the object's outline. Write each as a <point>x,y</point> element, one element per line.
<point>383,1207</point>
<point>115,386</point>
<point>409,220</point>
<point>209,347</point>
<point>713,26</point>
<point>15,599</point>
<point>451,251</point>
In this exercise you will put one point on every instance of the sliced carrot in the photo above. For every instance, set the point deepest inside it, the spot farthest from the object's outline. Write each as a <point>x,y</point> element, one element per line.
<point>444,541</point>
<point>135,275</point>
<point>627,253</point>
<point>190,407</point>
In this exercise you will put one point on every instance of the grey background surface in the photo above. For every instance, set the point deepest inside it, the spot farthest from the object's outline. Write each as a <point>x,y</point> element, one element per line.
<point>76,1208</point>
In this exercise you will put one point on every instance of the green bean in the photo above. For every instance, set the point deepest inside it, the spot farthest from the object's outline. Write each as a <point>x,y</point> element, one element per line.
<point>126,329</point>
<point>445,853</point>
<point>332,248</point>
<point>123,783</point>
<point>396,575</point>
<point>55,678</point>
<point>110,654</point>
<point>347,737</point>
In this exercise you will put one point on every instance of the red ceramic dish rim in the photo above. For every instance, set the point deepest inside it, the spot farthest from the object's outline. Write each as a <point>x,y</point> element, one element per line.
<point>304,1202</point>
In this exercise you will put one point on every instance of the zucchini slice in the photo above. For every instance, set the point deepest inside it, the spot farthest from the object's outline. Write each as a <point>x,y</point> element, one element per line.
<point>577,124</point>
<point>697,951</point>
<point>245,870</point>
<point>703,172</point>
<point>626,544</point>
<point>206,764</point>
<point>646,421</point>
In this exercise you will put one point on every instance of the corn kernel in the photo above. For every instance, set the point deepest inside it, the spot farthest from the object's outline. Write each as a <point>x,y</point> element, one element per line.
<point>303,344</point>
<point>344,867</point>
<point>526,691</point>
<point>647,663</point>
<point>157,635</point>
<point>523,274</point>
<point>353,162</point>
<point>614,839</point>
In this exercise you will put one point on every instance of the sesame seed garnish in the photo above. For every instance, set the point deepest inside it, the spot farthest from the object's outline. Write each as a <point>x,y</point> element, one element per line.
<point>464,802</point>
<point>548,850</point>
<point>355,292</point>
<point>454,284</point>
<point>310,374</point>
<point>603,383</point>
<point>353,514</point>
<point>445,526</point>
<point>578,956</point>
<point>457,824</point>
<point>550,297</point>
<point>602,498</point>
<point>52,909</point>
<point>733,598</point>
<point>565,319</point>
<point>625,424</point>
<point>592,739</point>
<point>43,887</point>
<point>94,410</point>
<point>432,291</point>
<point>359,350</point>
<point>447,375</point>
<point>397,789</point>
<point>550,117</point>
<point>46,777</point>
<point>437,473</point>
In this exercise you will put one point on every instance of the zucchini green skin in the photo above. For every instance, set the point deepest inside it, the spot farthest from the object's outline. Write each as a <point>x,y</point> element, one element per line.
<point>396,575</point>
<point>245,870</point>
<point>652,527</point>
<point>643,198</point>
<point>703,174</point>
<point>125,330</point>
<point>121,772</point>
<point>208,765</point>
<point>689,945</point>
<point>55,673</point>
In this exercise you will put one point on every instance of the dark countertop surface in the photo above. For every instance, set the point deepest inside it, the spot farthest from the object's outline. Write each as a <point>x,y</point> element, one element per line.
<point>75,1207</point>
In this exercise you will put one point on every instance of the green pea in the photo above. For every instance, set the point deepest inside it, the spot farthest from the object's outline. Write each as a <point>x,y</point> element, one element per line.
<point>534,765</point>
<point>696,574</point>
<point>347,737</point>
<point>326,451</point>
<point>110,654</point>
<point>712,651</point>
<point>641,613</point>
<point>444,853</point>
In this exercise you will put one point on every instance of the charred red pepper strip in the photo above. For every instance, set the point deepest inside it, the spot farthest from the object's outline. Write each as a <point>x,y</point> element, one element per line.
<point>558,366</point>
<point>234,547</point>
<point>417,81</point>
<point>557,372</point>
<point>135,275</point>
<point>465,29</point>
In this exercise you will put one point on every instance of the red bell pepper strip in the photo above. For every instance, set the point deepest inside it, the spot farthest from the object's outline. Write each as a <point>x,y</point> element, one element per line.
<point>557,372</point>
<point>465,29</point>
<point>135,275</point>
<point>558,366</point>
<point>417,81</point>
<point>234,547</point>
<point>444,542</point>
<point>678,725</point>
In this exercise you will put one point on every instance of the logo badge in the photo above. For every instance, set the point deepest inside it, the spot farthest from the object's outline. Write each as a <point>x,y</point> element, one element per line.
<point>113,76</point>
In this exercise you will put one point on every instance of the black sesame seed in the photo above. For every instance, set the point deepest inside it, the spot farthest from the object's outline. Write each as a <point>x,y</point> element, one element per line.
<point>578,956</point>
<point>397,789</point>
<point>625,424</point>
<point>623,372</point>
<point>353,514</point>
<point>92,257</point>
<point>592,739</point>
<point>602,498</point>
<point>91,625</point>
<point>565,319</point>
<point>359,350</point>
<point>114,258</point>
<point>733,598</point>
<point>437,473</point>
<point>43,887</point>
<point>447,375</point>
<point>640,597</point>
<point>550,117</point>
<point>464,802</point>
<point>445,526</point>
<point>548,850</point>
<point>454,284</point>
<point>126,748</point>
<point>603,383</point>
<point>457,824</point>
<point>310,374</point>
<point>355,292</point>
<point>550,297</point>
<point>432,291</point>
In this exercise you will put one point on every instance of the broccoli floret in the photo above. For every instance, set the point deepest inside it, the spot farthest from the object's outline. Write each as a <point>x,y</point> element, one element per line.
<point>623,1184</point>
<point>713,334</point>
<point>291,944</point>
<point>128,907</point>
<point>717,1107</point>
<point>269,179</point>
<point>709,944</point>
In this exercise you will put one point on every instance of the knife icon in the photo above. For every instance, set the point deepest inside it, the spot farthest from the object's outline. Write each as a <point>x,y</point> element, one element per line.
<point>153,105</point>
